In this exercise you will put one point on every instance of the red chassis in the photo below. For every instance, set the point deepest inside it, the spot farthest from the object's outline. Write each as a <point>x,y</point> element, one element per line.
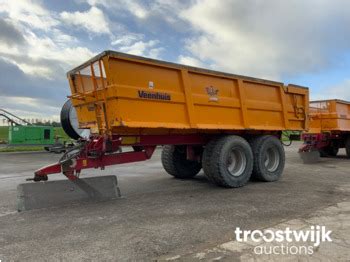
<point>101,151</point>
<point>314,142</point>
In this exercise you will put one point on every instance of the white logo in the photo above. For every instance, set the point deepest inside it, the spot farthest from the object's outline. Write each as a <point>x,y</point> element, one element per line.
<point>314,235</point>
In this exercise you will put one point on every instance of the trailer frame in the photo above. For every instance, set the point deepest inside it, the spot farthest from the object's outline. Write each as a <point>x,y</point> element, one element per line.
<point>101,151</point>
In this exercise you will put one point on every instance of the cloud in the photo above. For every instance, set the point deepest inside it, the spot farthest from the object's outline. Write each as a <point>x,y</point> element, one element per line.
<point>35,55</point>
<point>127,39</point>
<point>268,38</point>
<point>29,96</point>
<point>191,61</point>
<point>45,57</point>
<point>27,107</point>
<point>150,15</point>
<point>62,39</point>
<point>93,20</point>
<point>16,83</point>
<point>9,34</point>
<point>29,13</point>
<point>139,47</point>
<point>134,7</point>
<point>45,47</point>
<point>45,52</point>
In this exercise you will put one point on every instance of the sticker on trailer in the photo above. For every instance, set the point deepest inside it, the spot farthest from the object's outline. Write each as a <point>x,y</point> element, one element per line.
<point>212,93</point>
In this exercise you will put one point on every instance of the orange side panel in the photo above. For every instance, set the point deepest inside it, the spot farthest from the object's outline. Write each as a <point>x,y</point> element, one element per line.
<point>133,93</point>
<point>329,116</point>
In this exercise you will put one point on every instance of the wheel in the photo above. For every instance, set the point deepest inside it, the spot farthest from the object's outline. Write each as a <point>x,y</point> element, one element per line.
<point>69,122</point>
<point>269,158</point>
<point>329,151</point>
<point>228,161</point>
<point>347,146</point>
<point>323,152</point>
<point>332,150</point>
<point>176,164</point>
<point>206,158</point>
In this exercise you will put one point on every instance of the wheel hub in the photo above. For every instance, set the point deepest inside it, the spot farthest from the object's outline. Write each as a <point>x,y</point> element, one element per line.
<point>272,159</point>
<point>236,162</point>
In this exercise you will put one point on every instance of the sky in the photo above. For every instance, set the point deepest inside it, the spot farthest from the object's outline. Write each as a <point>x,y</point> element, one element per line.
<point>300,42</point>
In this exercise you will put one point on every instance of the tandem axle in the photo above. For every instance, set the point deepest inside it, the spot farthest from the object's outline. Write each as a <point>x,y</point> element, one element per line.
<point>227,160</point>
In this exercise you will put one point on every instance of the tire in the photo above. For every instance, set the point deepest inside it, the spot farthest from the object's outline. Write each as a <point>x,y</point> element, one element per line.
<point>323,152</point>
<point>228,161</point>
<point>206,158</point>
<point>175,163</point>
<point>269,158</point>
<point>70,122</point>
<point>332,150</point>
<point>329,151</point>
<point>66,122</point>
<point>347,146</point>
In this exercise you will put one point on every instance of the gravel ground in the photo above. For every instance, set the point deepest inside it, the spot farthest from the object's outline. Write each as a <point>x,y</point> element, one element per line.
<point>161,217</point>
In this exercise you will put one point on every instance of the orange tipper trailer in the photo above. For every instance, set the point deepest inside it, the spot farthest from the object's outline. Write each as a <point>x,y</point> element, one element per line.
<point>229,125</point>
<point>329,127</point>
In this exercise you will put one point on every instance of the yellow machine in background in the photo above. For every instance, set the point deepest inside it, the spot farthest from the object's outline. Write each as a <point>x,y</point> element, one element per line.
<point>329,127</point>
<point>329,116</point>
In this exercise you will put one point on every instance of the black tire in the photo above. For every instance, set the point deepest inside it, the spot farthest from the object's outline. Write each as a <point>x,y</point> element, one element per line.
<point>65,120</point>
<point>206,159</point>
<point>329,151</point>
<point>323,153</point>
<point>269,158</point>
<point>175,163</point>
<point>347,146</point>
<point>224,154</point>
<point>332,150</point>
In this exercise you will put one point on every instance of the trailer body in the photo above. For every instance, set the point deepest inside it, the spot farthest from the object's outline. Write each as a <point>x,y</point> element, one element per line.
<point>203,118</point>
<point>329,127</point>
<point>149,96</point>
